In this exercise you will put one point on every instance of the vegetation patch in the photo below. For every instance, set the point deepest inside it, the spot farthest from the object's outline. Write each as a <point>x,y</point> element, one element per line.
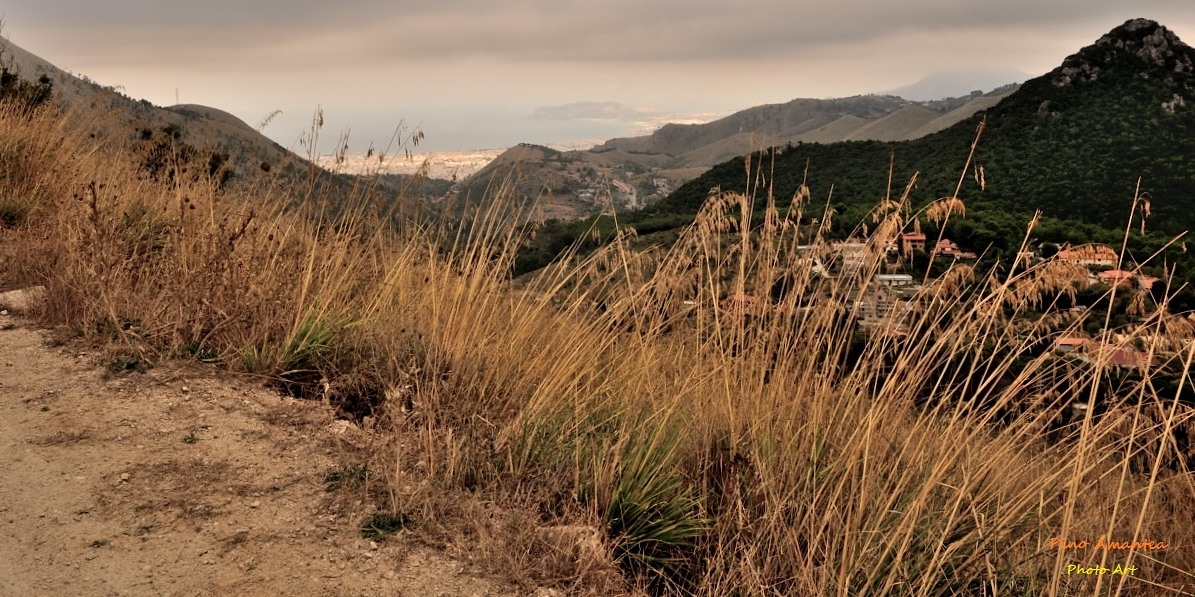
<point>128,363</point>
<point>347,476</point>
<point>192,435</point>
<point>653,517</point>
<point>383,524</point>
<point>14,212</point>
<point>196,350</point>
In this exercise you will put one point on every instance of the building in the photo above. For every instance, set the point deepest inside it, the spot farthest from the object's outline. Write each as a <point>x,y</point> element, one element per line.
<point>1114,356</point>
<point>1070,344</point>
<point>912,241</point>
<point>1127,358</point>
<point>1090,255</point>
<point>852,253</point>
<point>946,247</point>
<point>893,280</point>
<point>881,308</point>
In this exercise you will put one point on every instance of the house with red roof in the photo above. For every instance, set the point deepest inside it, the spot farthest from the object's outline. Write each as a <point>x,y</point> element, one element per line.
<point>946,247</point>
<point>1127,358</point>
<point>912,241</point>
<point>1071,344</point>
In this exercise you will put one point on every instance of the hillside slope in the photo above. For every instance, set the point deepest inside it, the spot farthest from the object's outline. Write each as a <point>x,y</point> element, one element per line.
<point>1072,143</point>
<point>209,139</point>
<point>630,173</point>
<point>208,129</point>
<point>866,117</point>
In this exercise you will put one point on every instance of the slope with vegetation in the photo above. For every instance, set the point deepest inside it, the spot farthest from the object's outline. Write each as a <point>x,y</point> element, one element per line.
<point>614,424</point>
<point>211,139</point>
<point>866,117</point>
<point>1073,143</point>
<point>581,183</point>
<point>241,148</point>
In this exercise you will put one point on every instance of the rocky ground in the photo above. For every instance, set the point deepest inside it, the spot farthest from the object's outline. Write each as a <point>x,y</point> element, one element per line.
<point>179,481</point>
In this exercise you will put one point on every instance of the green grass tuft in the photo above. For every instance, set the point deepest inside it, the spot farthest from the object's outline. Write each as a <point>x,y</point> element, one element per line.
<point>383,524</point>
<point>349,475</point>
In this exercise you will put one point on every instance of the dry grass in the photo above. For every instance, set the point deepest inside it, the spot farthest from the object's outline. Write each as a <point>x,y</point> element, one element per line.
<point>614,424</point>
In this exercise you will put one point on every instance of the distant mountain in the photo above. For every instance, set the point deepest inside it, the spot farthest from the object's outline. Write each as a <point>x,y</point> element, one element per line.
<point>864,117</point>
<point>1071,143</point>
<point>959,83</point>
<point>630,173</point>
<point>592,111</point>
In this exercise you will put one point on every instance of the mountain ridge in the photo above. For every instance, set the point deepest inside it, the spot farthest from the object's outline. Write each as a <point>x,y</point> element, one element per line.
<point>945,84</point>
<point>214,141</point>
<point>584,182</point>
<point>244,150</point>
<point>1072,143</point>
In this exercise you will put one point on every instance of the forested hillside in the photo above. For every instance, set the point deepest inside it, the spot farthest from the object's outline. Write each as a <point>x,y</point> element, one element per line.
<point>1072,143</point>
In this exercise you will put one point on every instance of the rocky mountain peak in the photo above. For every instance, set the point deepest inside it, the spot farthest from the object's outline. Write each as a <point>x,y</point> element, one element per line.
<point>1141,44</point>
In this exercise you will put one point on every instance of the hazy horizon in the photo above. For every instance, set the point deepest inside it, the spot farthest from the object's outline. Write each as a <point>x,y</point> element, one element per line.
<point>471,74</point>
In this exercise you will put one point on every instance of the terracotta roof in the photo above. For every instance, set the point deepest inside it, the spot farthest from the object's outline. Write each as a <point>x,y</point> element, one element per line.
<point>1147,282</point>
<point>1127,358</point>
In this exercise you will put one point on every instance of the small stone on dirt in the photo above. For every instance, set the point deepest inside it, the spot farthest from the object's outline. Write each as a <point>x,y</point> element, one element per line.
<point>124,477</point>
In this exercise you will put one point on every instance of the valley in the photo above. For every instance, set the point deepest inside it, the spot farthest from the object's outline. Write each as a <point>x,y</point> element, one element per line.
<point>851,346</point>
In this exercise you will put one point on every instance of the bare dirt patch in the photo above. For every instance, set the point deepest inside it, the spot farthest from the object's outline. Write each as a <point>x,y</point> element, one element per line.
<point>182,482</point>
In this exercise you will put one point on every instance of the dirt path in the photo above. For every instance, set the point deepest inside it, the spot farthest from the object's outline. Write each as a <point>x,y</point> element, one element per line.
<point>176,482</point>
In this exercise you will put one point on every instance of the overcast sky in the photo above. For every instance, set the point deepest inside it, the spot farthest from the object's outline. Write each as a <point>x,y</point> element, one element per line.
<point>470,72</point>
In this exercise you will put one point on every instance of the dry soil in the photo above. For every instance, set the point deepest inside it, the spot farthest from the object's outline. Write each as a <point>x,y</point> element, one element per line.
<point>180,481</point>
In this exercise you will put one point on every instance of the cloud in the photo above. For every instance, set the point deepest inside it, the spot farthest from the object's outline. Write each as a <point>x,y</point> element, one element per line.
<point>402,57</point>
<point>541,30</point>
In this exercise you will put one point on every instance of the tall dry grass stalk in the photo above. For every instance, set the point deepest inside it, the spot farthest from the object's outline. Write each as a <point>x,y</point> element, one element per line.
<point>711,416</point>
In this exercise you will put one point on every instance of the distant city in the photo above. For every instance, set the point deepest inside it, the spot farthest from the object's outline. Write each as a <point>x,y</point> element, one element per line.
<point>459,163</point>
